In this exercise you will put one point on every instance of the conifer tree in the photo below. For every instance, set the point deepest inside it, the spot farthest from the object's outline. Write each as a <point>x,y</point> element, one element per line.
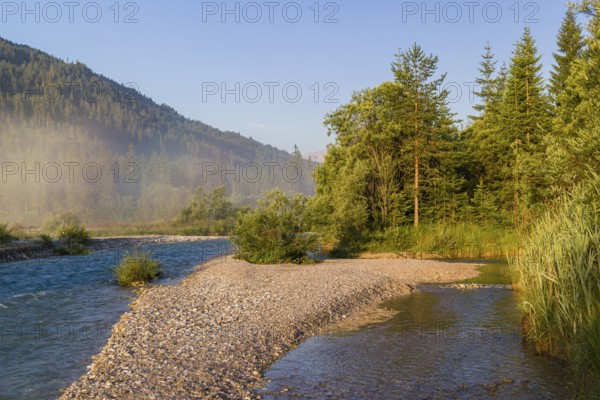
<point>525,108</point>
<point>585,79</point>
<point>570,46</point>
<point>574,153</point>
<point>488,83</point>
<point>525,120</point>
<point>485,124</point>
<point>425,115</point>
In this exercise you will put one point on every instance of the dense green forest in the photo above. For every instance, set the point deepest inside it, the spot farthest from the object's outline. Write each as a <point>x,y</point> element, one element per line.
<point>403,161</point>
<point>73,140</point>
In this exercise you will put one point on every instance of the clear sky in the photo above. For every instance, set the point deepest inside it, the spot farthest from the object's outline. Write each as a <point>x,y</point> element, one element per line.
<point>241,66</point>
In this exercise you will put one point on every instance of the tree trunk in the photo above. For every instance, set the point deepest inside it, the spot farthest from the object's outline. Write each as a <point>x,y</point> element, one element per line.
<point>416,190</point>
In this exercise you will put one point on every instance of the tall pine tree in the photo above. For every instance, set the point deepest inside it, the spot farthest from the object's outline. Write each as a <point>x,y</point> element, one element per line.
<point>570,48</point>
<point>585,78</point>
<point>487,82</point>
<point>575,152</point>
<point>525,119</point>
<point>424,115</point>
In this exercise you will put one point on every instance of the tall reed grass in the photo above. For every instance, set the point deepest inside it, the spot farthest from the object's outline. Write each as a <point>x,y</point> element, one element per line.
<point>558,277</point>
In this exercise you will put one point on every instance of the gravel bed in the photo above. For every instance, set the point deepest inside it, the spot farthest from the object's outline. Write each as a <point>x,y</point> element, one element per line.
<point>131,241</point>
<point>213,335</point>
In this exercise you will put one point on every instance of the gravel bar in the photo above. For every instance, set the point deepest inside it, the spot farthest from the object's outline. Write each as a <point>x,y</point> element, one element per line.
<point>214,335</point>
<point>132,241</point>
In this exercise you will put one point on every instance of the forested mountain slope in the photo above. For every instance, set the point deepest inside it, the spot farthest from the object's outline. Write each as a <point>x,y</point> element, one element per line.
<point>71,139</point>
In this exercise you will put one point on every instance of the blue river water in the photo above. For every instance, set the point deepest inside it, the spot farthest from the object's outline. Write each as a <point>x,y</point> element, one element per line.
<point>55,313</point>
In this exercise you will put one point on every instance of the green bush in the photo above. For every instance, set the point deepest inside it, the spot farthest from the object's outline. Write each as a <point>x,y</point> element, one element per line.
<point>46,240</point>
<point>209,213</point>
<point>275,232</point>
<point>54,222</point>
<point>6,235</point>
<point>137,268</point>
<point>558,276</point>
<point>74,239</point>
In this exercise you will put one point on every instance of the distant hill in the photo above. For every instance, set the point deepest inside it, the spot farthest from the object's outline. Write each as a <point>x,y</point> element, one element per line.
<point>72,139</point>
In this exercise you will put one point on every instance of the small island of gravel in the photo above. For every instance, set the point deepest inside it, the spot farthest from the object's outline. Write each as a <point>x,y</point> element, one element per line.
<point>216,333</point>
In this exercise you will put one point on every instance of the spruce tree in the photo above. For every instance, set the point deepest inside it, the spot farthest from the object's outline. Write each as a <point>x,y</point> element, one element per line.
<point>570,47</point>
<point>525,120</point>
<point>484,127</point>
<point>585,79</point>
<point>525,108</point>
<point>564,94</point>
<point>574,153</point>
<point>488,83</point>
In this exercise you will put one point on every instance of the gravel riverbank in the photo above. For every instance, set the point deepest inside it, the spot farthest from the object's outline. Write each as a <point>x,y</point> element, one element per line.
<point>131,241</point>
<point>216,333</point>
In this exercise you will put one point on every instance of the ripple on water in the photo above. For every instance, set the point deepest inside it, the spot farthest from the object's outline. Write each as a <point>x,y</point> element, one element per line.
<point>56,313</point>
<point>441,343</point>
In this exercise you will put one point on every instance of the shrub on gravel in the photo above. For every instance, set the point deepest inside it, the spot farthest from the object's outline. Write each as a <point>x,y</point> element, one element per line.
<point>275,232</point>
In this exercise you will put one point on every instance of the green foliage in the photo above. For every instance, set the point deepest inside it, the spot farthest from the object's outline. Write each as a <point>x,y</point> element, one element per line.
<point>46,240</point>
<point>276,231</point>
<point>484,140</point>
<point>340,211</point>
<point>485,210</point>
<point>53,223</point>
<point>509,137</point>
<point>488,82</point>
<point>391,154</point>
<point>570,46</point>
<point>137,268</point>
<point>73,234</point>
<point>6,235</point>
<point>74,239</point>
<point>209,213</point>
<point>460,240</point>
<point>558,276</point>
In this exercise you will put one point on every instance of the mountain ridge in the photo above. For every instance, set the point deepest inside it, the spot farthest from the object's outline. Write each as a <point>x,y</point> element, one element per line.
<point>53,110</point>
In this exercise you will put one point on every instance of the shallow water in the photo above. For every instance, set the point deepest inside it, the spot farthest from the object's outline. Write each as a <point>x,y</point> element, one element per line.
<point>56,313</point>
<point>442,343</point>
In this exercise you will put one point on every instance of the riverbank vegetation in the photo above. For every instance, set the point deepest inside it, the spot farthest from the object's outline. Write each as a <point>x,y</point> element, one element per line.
<point>137,268</point>
<point>6,235</point>
<point>558,278</point>
<point>73,238</point>
<point>276,231</point>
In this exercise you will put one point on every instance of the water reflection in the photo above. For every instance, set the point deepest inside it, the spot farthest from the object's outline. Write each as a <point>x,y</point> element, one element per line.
<point>442,343</point>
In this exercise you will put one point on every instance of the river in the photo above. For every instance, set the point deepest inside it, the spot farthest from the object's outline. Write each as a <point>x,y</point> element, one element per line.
<point>442,343</point>
<point>56,313</point>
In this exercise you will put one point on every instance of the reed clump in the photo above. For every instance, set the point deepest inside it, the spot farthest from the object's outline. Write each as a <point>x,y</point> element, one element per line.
<point>558,278</point>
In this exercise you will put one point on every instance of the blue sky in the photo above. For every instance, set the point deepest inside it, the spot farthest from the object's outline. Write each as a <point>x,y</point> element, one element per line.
<point>199,56</point>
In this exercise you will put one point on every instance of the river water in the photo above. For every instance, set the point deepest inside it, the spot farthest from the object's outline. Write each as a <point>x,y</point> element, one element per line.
<point>56,313</point>
<point>442,343</point>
